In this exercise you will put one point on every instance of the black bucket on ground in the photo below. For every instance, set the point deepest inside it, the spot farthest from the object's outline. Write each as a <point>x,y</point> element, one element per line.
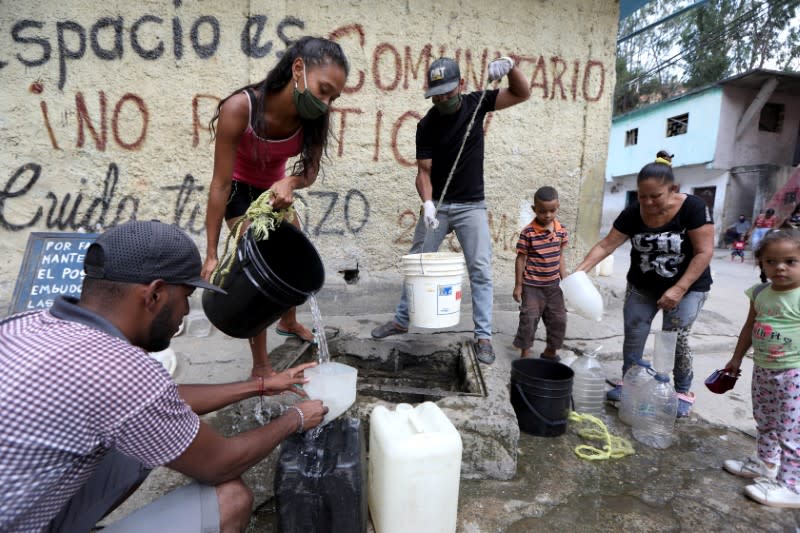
<point>541,392</point>
<point>266,279</point>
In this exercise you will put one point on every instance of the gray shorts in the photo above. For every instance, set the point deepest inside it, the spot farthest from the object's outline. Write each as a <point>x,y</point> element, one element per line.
<point>192,508</point>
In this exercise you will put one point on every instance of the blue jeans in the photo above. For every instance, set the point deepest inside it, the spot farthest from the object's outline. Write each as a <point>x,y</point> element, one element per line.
<point>471,224</point>
<point>638,313</point>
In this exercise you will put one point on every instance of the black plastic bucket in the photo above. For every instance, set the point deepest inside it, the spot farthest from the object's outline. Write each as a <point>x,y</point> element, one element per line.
<point>266,279</point>
<point>540,394</point>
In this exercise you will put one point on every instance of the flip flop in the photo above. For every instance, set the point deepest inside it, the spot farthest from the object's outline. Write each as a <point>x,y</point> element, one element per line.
<point>286,333</point>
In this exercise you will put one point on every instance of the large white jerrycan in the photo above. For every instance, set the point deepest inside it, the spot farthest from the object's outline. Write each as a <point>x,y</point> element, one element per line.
<point>334,384</point>
<point>414,469</point>
<point>433,288</point>
<point>582,296</point>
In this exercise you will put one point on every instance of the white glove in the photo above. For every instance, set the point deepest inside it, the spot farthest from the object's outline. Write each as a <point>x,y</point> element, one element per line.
<point>430,214</point>
<point>500,67</point>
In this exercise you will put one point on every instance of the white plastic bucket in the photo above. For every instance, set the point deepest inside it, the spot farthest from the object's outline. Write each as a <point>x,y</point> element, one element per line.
<point>433,288</point>
<point>414,469</point>
<point>605,267</point>
<point>582,296</point>
<point>334,384</point>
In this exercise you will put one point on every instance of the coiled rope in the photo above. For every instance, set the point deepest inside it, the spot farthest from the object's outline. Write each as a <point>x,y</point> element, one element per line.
<point>613,448</point>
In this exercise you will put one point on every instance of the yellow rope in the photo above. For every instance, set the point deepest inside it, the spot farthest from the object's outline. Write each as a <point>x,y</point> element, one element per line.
<point>613,448</point>
<point>262,219</point>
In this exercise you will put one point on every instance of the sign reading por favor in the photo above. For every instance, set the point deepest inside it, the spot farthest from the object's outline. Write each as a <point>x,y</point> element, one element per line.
<point>52,267</point>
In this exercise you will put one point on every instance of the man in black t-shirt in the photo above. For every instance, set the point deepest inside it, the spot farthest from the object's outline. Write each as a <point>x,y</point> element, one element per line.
<point>440,135</point>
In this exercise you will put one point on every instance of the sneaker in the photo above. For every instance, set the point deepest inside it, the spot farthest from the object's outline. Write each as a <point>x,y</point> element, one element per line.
<point>752,467</point>
<point>484,352</point>
<point>773,493</point>
<point>388,329</point>
<point>615,394</point>
<point>685,402</point>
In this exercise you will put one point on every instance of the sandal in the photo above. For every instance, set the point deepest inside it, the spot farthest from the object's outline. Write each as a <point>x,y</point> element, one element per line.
<point>290,334</point>
<point>685,402</point>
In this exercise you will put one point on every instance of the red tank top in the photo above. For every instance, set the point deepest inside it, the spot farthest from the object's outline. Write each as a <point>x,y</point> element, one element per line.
<point>261,162</point>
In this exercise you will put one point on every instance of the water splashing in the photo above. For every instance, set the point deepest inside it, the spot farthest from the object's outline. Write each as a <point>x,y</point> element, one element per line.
<point>319,331</point>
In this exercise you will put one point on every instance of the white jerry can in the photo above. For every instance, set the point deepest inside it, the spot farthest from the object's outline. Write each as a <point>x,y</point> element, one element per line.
<point>414,469</point>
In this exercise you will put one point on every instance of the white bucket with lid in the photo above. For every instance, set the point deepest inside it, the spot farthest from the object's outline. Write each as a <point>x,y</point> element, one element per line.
<point>414,469</point>
<point>433,288</point>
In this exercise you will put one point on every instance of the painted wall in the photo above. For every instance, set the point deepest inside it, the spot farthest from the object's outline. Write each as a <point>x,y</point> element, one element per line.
<point>756,147</point>
<point>696,146</point>
<point>105,110</point>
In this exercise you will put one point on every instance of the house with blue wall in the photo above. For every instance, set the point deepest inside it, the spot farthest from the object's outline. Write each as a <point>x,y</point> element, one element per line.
<point>736,144</point>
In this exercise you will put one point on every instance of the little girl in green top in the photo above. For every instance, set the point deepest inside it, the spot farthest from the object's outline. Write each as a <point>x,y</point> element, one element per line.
<point>773,330</point>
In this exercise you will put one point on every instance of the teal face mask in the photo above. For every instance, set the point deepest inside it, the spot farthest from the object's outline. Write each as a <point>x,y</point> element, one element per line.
<point>449,106</point>
<point>309,107</point>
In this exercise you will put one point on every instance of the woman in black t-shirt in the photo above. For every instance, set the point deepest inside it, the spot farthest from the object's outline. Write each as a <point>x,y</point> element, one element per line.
<point>671,236</point>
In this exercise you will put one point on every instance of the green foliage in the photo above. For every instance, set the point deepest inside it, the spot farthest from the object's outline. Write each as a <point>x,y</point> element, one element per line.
<point>702,46</point>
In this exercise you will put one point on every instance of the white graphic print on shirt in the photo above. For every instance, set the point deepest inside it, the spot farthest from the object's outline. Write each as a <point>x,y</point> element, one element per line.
<point>660,252</point>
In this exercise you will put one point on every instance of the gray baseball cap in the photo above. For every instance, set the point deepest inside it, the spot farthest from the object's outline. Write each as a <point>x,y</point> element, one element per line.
<point>443,77</point>
<point>144,251</point>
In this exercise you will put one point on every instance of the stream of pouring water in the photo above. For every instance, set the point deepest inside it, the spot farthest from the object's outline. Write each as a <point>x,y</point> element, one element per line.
<point>319,331</point>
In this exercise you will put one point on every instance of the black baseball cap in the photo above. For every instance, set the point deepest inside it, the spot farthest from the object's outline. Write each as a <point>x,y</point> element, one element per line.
<point>144,251</point>
<point>443,77</point>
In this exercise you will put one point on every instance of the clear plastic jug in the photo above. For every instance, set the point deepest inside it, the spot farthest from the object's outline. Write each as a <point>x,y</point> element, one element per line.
<point>414,469</point>
<point>334,384</point>
<point>632,381</point>
<point>656,406</point>
<point>664,351</point>
<point>581,295</point>
<point>589,384</point>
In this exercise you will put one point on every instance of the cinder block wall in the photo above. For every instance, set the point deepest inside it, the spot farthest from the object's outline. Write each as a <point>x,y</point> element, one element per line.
<point>105,107</point>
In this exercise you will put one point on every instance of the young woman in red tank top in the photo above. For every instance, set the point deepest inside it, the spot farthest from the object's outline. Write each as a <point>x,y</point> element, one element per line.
<point>258,128</point>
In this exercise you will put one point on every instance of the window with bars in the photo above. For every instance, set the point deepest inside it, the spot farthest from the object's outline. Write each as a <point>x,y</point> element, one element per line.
<point>677,125</point>
<point>771,118</point>
<point>632,137</point>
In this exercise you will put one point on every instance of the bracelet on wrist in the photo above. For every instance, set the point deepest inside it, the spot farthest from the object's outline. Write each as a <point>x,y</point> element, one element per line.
<point>302,418</point>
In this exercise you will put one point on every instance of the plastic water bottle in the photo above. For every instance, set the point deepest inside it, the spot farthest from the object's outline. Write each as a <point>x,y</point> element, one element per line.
<point>632,381</point>
<point>588,385</point>
<point>655,409</point>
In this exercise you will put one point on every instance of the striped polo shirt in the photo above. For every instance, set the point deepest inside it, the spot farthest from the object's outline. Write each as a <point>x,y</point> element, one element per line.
<point>543,250</point>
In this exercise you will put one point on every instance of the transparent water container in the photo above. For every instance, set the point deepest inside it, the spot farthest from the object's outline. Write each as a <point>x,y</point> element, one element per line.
<point>589,384</point>
<point>664,351</point>
<point>655,409</point>
<point>632,381</point>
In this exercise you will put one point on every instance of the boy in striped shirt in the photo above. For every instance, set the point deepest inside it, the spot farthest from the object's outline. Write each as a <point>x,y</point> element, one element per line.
<point>539,269</point>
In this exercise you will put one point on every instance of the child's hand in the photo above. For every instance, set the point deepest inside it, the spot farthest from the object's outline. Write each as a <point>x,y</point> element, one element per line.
<point>517,294</point>
<point>733,366</point>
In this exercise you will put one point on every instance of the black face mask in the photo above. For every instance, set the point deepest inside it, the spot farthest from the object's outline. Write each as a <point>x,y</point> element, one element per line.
<point>309,107</point>
<point>449,106</point>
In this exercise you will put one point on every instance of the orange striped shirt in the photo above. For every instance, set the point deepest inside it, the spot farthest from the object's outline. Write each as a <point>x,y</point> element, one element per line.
<point>543,250</point>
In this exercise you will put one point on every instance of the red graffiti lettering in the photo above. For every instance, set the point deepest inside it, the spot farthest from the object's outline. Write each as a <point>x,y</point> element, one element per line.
<point>343,125</point>
<point>196,125</point>
<point>342,32</point>
<point>144,115</point>
<point>380,51</point>
<point>82,116</point>
<point>559,68</point>
<point>587,73</point>
<point>424,56</point>
<point>395,133</point>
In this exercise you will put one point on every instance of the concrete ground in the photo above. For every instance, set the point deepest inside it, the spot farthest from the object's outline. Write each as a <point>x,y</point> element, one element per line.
<point>682,488</point>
